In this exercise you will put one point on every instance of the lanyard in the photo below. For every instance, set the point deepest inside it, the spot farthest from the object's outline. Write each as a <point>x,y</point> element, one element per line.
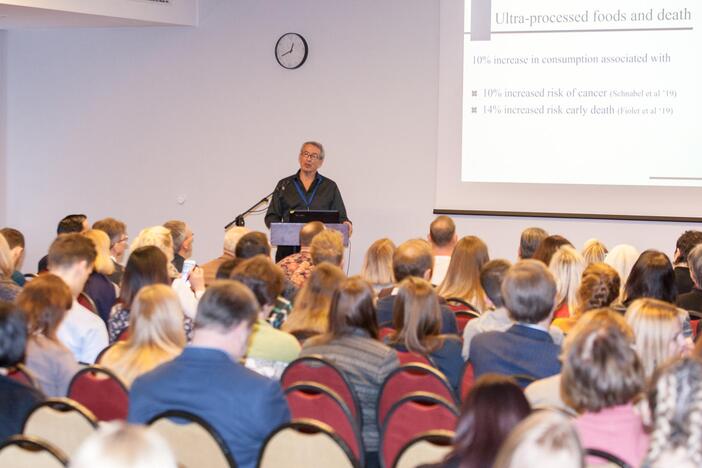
<point>301,192</point>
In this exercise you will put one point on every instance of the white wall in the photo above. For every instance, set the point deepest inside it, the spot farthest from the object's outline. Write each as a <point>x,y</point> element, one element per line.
<point>120,122</point>
<point>3,118</point>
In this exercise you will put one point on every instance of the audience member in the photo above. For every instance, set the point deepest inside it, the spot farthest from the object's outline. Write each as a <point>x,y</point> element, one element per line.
<point>548,247</point>
<point>206,379</point>
<point>377,265</point>
<point>146,266</point>
<point>298,266</point>
<point>117,232</point>
<point>8,287</point>
<point>529,241</point>
<point>352,344</point>
<point>594,251</point>
<point>547,439</point>
<point>46,300</point>
<point>16,399</point>
<point>73,223</point>
<point>188,294</point>
<point>685,243</point>
<point>120,445</point>
<point>413,258</point>
<point>651,276</point>
<point>494,406</point>
<point>567,266</point>
<point>71,258</point>
<point>99,287</point>
<point>602,376</point>
<point>658,336</point>
<point>156,334</point>
<point>328,246</point>
<point>417,323</point>
<point>224,271</point>
<point>15,241</point>
<point>310,314</point>
<point>599,287</point>
<point>269,350</point>
<point>462,280</point>
<point>675,399</point>
<point>622,258</point>
<point>526,348</point>
<point>692,301</point>
<point>442,237</point>
<point>182,242</point>
<point>256,243</point>
<point>231,237</point>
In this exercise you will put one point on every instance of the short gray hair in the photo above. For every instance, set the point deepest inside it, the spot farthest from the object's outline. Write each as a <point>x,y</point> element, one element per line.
<point>314,143</point>
<point>178,229</point>
<point>232,236</point>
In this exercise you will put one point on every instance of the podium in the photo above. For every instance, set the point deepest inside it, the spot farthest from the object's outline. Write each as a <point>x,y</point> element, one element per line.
<point>289,233</point>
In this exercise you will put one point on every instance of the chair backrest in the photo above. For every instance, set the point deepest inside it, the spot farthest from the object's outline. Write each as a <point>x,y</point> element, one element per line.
<point>467,379</point>
<point>102,353</point>
<point>427,448</point>
<point>101,391</point>
<point>87,302</point>
<point>694,324</point>
<point>319,370</point>
<point>523,380</point>
<point>305,443</point>
<point>606,457</point>
<point>21,374</point>
<point>410,378</point>
<point>30,452</point>
<point>409,358</point>
<point>194,441</point>
<point>457,304</point>
<point>309,400</point>
<point>384,332</point>
<point>462,319</point>
<point>412,415</point>
<point>62,422</point>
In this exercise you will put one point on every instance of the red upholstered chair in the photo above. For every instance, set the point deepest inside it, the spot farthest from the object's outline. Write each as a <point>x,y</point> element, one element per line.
<point>426,448</point>
<point>101,391</point>
<point>467,380</point>
<point>308,400</point>
<point>123,335</point>
<point>384,332</point>
<point>319,370</point>
<point>87,302</point>
<point>20,450</point>
<point>410,416</point>
<point>410,358</point>
<point>462,319</point>
<point>694,324</point>
<point>102,353</point>
<point>21,374</point>
<point>410,378</point>
<point>456,305</point>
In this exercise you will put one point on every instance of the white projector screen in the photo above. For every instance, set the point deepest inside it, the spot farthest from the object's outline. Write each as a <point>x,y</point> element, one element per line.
<point>581,108</point>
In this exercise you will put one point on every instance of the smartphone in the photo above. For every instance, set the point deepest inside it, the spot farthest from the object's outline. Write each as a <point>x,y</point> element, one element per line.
<point>188,266</point>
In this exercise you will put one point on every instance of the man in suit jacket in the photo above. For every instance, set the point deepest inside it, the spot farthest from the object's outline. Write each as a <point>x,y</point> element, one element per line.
<point>413,258</point>
<point>692,301</point>
<point>207,379</point>
<point>526,348</point>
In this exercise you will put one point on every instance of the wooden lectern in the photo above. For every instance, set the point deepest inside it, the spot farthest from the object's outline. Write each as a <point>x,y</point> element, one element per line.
<point>289,233</point>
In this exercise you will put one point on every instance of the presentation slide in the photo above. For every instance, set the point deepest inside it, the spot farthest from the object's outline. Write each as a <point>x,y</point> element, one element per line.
<point>597,92</point>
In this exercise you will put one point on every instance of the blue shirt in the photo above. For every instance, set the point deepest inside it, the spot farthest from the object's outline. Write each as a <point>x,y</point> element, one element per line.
<point>242,406</point>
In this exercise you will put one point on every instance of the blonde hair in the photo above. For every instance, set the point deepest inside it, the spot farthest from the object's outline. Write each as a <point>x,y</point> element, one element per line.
<point>327,246</point>
<point>311,309</point>
<point>160,237</point>
<point>462,278</point>
<point>120,445</point>
<point>7,266</point>
<point>656,326</point>
<point>622,258</point>
<point>155,333</point>
<point>546,436</point>
<point>594,251</point>
<point>567,266</point>
<point>232,236</point>
<point>377,263</point>
<point>103,263</point>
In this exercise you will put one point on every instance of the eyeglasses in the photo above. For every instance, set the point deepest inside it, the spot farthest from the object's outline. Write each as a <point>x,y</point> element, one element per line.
<point>312,156</point>
<point>123,239</point>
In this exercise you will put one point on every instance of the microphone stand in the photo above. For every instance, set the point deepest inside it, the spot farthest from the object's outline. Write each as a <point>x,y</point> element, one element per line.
<point>239,220</point>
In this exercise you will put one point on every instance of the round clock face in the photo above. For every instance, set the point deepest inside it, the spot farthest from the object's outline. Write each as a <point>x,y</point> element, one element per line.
<point>291,51</point>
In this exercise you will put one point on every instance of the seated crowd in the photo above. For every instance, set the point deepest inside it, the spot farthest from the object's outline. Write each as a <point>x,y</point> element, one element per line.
<point>553,360</point>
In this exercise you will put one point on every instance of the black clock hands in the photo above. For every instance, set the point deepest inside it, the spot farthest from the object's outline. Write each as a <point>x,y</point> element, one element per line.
<point>290,51</point>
